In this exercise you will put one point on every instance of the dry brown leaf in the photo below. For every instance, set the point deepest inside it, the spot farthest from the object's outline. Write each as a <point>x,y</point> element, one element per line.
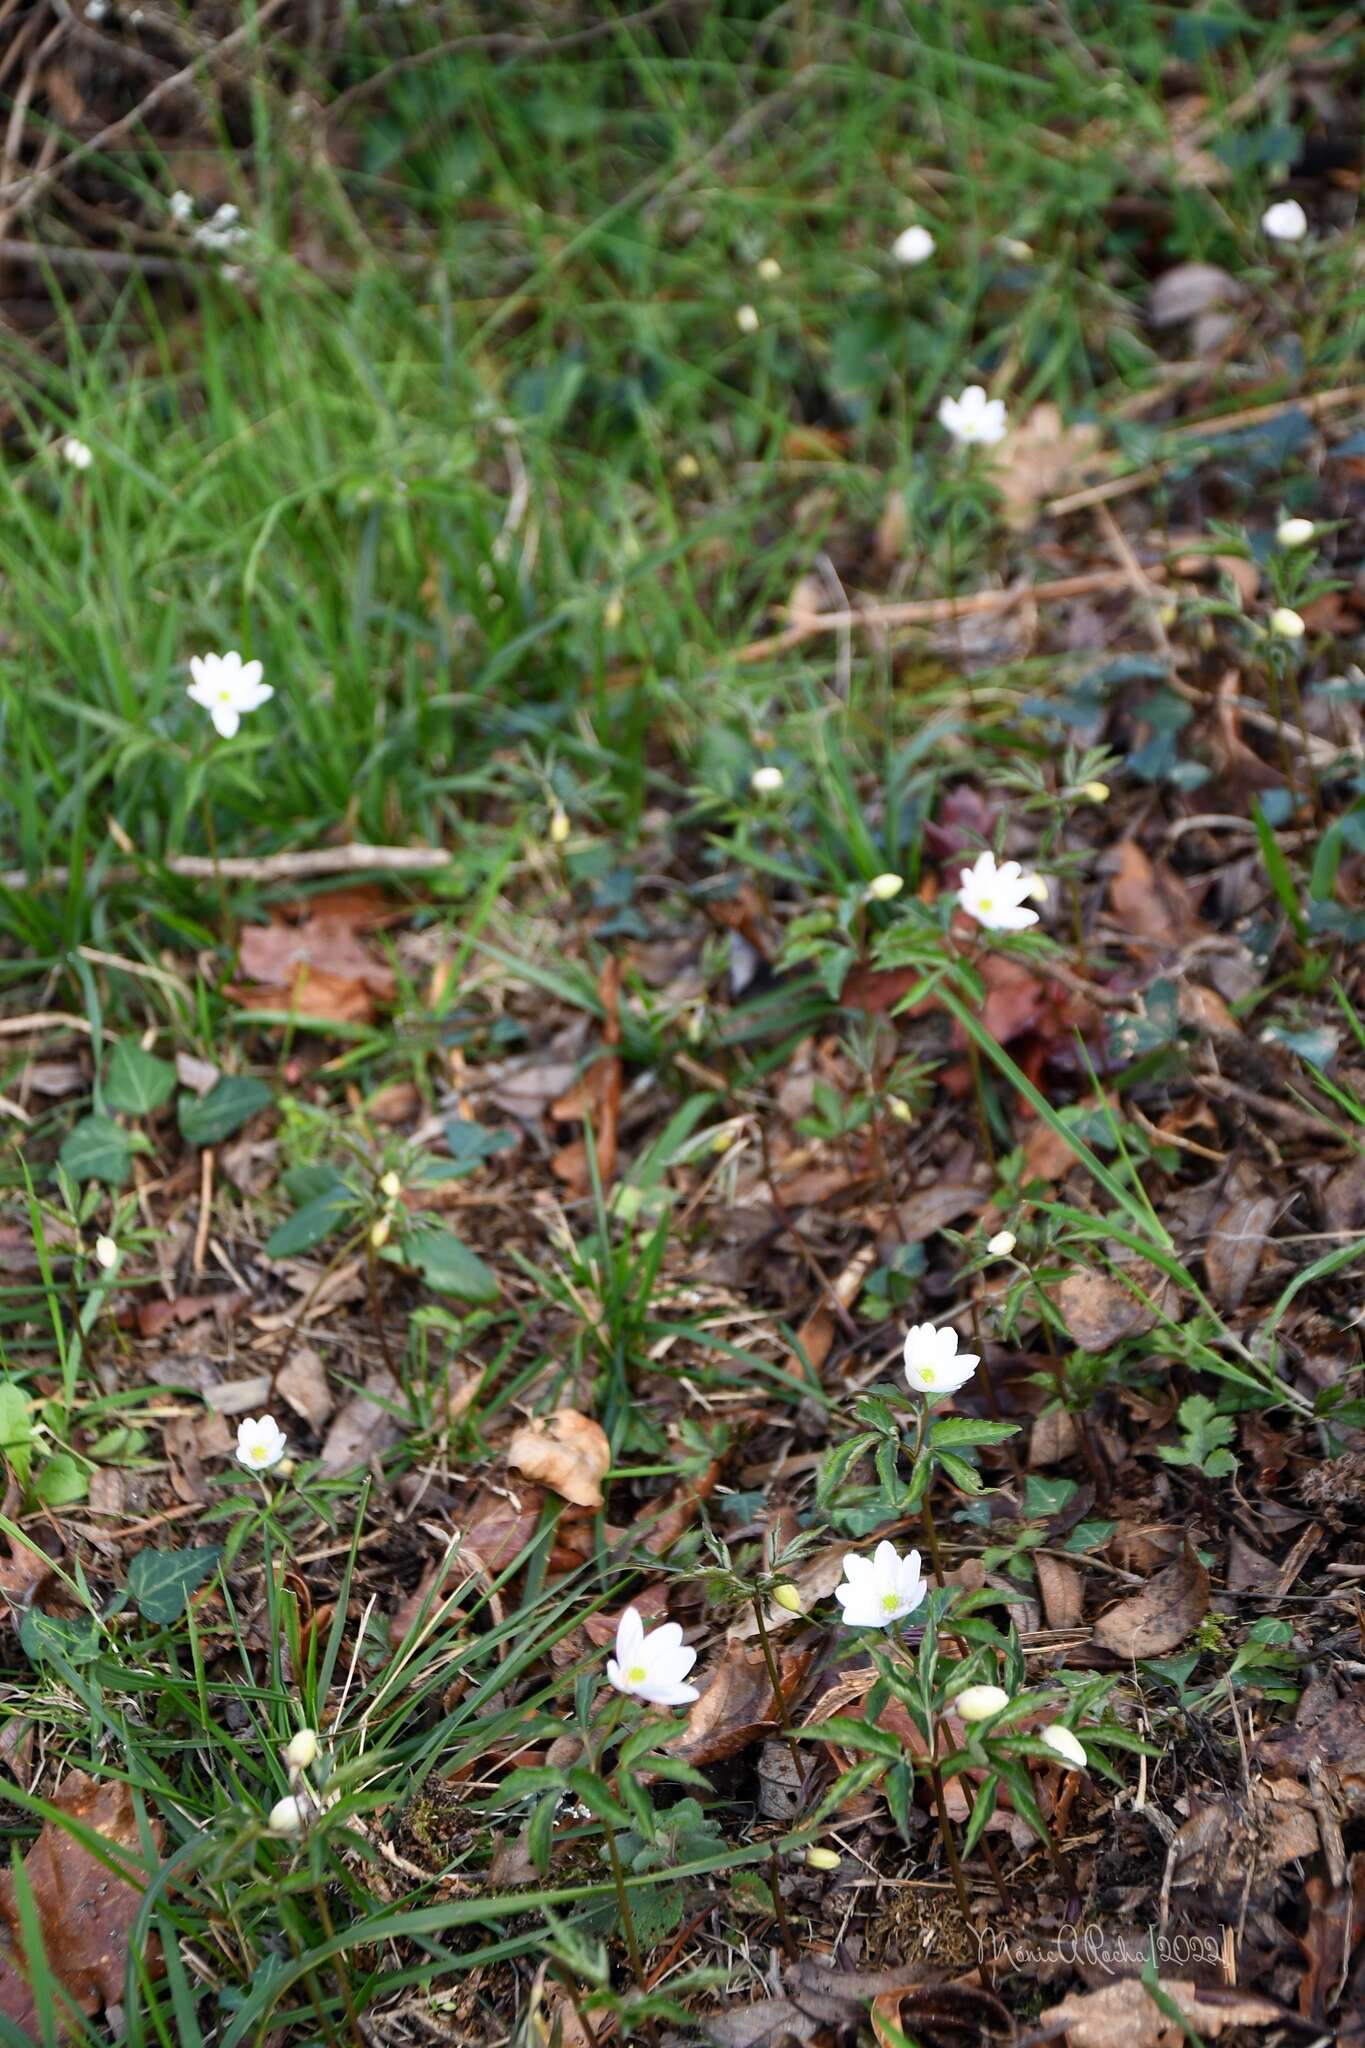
<point>1152,903</point>
<point>318,967</point>
<point>1059,1584</point>
<point>1122,2015</point>
<point>566,1451</point>
<point>1236,1242</point>
<point>302,1382</point>
<point>737,1707</point>
<point>1039,459</point>
<point>962,2011</point>
<point>365,1426</point>
<point>85,1911</point>
<point>1189,289</point>
<point>1160,1617</point>
<point>1100,1311</point>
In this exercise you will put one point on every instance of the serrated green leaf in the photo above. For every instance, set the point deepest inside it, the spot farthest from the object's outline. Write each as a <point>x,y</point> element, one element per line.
<point>862,1735</point>
<point>161,1581</point>
<point>955,1431</point>
<point>138,1083</point>
<point>97,1149</point>
<point>959,1471</point>
<point>207,1120</point>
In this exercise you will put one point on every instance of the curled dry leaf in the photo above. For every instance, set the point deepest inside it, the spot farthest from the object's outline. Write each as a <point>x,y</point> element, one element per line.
<point>566,1451</point>
<point>85,1911</point>
<point>1123,2015</point>
<point>316,968</point>
<point>1152,904</point>
<point>302,1382</point>
<point>365,1426</point>
<point>736,1706</point>
<point>930,2011</point>
<point>1059,1584</point>
<point>1160,1617</point>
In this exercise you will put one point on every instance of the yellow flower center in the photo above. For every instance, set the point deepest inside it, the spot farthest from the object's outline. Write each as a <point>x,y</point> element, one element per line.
<point>257,1454</point>
<point>637,1674</point>
<point>986,902</point>
<point>889,1603</point>
<point>926,1374</point>
<point>225,696</point>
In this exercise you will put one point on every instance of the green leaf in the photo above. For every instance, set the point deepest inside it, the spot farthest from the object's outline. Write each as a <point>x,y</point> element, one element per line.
<point>59,1636</point>
<point>16,1431</point>
<point>954,1431</point>
<point>97,1149</point>
<point>223,1110</point>
<point>960,1472</point>
<point>850,1734</point>
<point>448,1265</point>
<point>310,1224</point>
<point>161,1581</point>
<point>61,1481</point>
<point>137,1082</point>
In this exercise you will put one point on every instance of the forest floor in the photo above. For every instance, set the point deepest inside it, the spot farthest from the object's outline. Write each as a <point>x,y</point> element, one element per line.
<point>478,1124</point>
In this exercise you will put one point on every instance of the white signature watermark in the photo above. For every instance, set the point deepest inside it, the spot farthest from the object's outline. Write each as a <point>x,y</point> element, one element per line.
<point>1101,1947</point>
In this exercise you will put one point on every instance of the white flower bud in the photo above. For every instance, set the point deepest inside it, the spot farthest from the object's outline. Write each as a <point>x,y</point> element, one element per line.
<point>979,1702</point>
<point>882,888</point>
<point>1002,1244</point>
<point>302,1750</point>
<point>106,1253</point>
<point>766,781</point>
<point>1286,624</point>
<point>285,1817</point>
<point>746,320</point>
<point>1294,533</point>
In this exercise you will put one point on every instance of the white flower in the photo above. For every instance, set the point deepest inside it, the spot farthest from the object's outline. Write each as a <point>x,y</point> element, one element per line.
<point>769,269</point>
<point>651,1666</point>
<point>979,1702</point>
<point>746,320</point>
<point>994,895</point>
<point>75,452</point>
<point>285,1817</point>
<point>180,206</point>
<point>880,1589</point>
<point>1059,1737</point>
<point>1286,625</point>
<point>106,1253</point>
<point>1285,221</point>
<point>1002,1244</point>
<point>260,1442</point>
<point>1294,533</point>
<point>933,1363</point>
<point>223,231</point>
<point>766,781</point>
<point>973,418</point>
<point>227,686</point>
<point>883,887</point>
<point>913,245</point>
<point>303,1749</point>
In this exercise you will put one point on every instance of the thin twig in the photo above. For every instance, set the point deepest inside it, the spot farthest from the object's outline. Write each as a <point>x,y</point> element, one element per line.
<point>271,867</point>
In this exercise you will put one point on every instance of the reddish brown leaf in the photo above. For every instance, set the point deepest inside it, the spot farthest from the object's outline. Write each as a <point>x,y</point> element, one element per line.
<point>737,1706</point>
<point>1160,1617</point>
<point>85,1911</point>
<point>1099,1311</point>
<point>1152,903</point>
<point>318,967</point>
<point>1235,1245</point>
<point>1122,2015</point>
<point>1060,1586</point>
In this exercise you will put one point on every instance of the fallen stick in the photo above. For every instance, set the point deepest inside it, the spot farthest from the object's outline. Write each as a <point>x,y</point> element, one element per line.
<point>270,867</point>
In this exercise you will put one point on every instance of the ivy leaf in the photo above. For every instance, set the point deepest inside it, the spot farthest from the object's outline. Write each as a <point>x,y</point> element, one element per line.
<point>207,1120</point>
<point>161,1581</point>
<point>59,1637</point>
<point>97,1149</point>
<point>137,1082</point>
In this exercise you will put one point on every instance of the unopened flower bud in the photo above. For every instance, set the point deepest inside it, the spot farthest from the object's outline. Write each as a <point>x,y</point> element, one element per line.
<point>302,1750</point>
<point>900,1109</point>
<point>979,1702</point>
<point>769,269</point>
<point>285,1817</point>
<point>882,888</point>
<point>788,1597</point>
<point>1294,533</point>
<point>822,1859</point>
<point>746,320</point>
<point>1286,624</point>
<point>687,469</point>
<point>106,1253</point>
<point>1095,792</point>
<point>379,1232</point>
<point>1060,1739</point>
<point>613,611</point>
<point>766,781</point>
<point>1002,1244</point>
<point>559,826</point>
<point>391,1186</point>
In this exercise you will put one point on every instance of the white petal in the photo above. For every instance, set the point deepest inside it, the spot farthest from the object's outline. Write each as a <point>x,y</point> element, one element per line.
<point>664,1640</point>
<point>630,1633</point>
<point>226,719</point>
<point>252,671</point>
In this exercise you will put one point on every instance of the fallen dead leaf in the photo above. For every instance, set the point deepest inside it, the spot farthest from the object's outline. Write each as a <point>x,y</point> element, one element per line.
<point>1100,1311</point>
<point>365,1426</point>
<point>1122,2015</point>
<point>737,1707</point>
<point>1189,289</point>
<point>1059,1584</point>
<point>318,967</point>
<point>85,1911</point>
<point>1236,1242</point>
<point>1160,1617</point>
<point>1040,458</point>
<point>302,1382</point>
<point>566,1451</point>
<point>1152,903</point>
<point>962,2011</point>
